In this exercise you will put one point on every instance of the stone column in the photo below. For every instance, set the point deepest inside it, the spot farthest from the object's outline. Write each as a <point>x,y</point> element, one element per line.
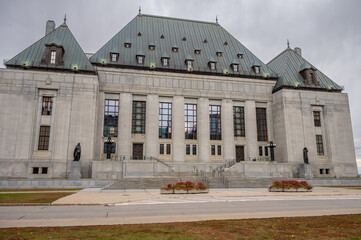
<point>151,126</point>
<point>178,129</point>
<point>203,129</point>
<point>125,124</point>
<point>227,129</point>
<point>251,129</point>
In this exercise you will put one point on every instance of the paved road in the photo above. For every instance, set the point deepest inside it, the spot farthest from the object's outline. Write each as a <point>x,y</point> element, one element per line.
<point>207,209</point>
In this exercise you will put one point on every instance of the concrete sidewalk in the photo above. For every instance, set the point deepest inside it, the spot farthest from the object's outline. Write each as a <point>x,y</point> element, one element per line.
<point>97,196</point>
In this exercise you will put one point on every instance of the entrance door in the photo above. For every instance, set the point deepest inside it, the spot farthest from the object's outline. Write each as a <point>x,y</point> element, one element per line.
<point>239,153</point>
<point>138,151</point>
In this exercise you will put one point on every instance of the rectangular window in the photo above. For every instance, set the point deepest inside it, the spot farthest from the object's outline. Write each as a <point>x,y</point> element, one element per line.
<point>190,121</point>
<point>114,57</point>
<point>213,66</point>
<point>47,106</point>
<point>261,124</point>
<point>266,151</point>
<point>219,149</point>
<point>161,149</point>
<point>138,117</point>
<point>165,62</point>
<point>35,170</point>
<point>44,170</point>
<point>238,122</point>
<point>194,149</point>
<point>317,118</point>
<point>189,64</point>
<point>260,151</point>
<point>140,59</point>
<point>235,68</point>
<point>53,57</point>
<point>168,149</point>
<point>188,149</point>
<point>44,138</point>
<point>213,149</point>
<point>319,144</point>
<point>215,122</point>
<point>165,120</point>
<point>111,113</point>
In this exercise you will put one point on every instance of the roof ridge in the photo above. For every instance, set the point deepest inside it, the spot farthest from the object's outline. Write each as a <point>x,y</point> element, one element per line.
<point>287,49</point>
<point>179,19</point>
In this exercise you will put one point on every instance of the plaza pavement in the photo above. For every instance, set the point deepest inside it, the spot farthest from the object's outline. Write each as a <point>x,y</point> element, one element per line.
<point>97,196</point>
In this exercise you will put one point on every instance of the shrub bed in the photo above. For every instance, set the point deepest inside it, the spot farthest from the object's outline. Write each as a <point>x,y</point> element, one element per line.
<point>185,187</point>
<point>283,186</point>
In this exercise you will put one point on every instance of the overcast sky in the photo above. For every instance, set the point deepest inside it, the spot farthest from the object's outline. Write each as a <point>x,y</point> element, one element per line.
<point>327,31</point>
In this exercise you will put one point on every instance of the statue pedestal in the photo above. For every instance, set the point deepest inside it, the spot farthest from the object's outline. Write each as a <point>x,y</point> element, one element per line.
<point>75,170</point>
<point>305,171</point>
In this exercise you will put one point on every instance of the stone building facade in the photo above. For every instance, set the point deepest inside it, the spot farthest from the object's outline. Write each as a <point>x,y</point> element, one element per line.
<point>173,95</point>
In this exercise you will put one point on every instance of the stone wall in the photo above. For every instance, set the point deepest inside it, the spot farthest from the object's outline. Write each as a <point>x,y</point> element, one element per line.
<point>72,121</point>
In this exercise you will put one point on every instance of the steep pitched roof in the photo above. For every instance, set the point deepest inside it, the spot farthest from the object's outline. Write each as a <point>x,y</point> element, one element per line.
<point>288,65</point>
<point>187,35</point>
<point>61,36</point>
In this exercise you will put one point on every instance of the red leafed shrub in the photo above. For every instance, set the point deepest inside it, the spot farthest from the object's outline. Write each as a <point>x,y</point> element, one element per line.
<point>292,184</point>
<point>186,186</point>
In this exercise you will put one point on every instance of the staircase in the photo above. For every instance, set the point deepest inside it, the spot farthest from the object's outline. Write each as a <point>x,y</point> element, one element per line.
<point>158,181</point>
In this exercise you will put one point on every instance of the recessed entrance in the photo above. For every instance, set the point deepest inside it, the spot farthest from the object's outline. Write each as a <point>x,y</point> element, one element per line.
<point>239,153</point>
<point>138,151</point>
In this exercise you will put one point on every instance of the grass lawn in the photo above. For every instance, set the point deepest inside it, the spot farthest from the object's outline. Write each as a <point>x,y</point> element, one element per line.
<point>9,198</point>
<point>40,190</point>
<point>325,227</point>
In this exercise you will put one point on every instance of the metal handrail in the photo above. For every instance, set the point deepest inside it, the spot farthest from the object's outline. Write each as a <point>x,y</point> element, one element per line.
<point>129,157</point>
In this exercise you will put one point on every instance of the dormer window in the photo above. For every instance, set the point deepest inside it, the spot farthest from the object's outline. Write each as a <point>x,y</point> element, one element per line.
<point>127,45</point>
<point>308,74</point>
<point>140,57</point>
<point>256,67</point>
<point>114,57</point>
<point>151,46</point>
<point>197,51</point>
<point>165,61</point>
<point>212,63</point>
<point>53,57</point>
<point>189,63</point>
<point>240,55</point>
<point>174,49</point>
<point>235,67</point>
<point>219,53</point>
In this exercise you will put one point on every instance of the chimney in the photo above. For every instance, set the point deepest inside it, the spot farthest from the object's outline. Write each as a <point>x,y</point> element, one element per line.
<point>298,51</point>
<point>50,26</point>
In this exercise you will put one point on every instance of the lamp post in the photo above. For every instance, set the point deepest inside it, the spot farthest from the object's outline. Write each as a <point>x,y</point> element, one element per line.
<point>271,145</point>
<point>109,145</point>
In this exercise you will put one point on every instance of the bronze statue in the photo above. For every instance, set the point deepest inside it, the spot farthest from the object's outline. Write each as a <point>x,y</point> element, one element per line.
<point>305,155</point>
<point>77,152</point>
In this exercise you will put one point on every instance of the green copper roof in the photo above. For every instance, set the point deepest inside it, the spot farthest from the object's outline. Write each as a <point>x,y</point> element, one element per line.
<point>187,35</point>
<point>61,36</point>
<point>288,65</point>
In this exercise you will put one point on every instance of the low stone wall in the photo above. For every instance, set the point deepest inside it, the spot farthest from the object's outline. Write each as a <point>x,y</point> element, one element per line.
<point>334,182</point>
<point>263,169</point>
<point>52,183</point>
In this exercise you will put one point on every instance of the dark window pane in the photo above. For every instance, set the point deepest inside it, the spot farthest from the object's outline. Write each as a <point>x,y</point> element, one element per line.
<point>188,149</point>
<point>317,118</point>
<point>168,148</point>
<point>165,120</point>
<point>238,121</point>
<point>215,122</point>
<point>47,106</point>
<point>219,150</point>
<point>260,152</point>
<point>319,144</point>
<point>111,111</point>
<point>261,124</point>
<point>44,138</point>
<point>194,150</point>
<point>138,117</point>
<point>213,149</point>
<point>190,122</point>
<point>161,149</point>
